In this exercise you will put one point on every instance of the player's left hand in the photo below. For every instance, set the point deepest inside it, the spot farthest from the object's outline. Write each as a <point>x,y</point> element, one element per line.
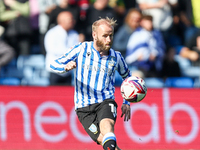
<point>126,112</point>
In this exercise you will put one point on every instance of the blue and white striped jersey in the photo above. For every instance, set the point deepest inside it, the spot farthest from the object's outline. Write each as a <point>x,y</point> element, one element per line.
<point>94,75</point>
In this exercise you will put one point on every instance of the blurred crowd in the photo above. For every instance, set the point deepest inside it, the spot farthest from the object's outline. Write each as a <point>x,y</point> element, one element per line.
<point>158,38</point>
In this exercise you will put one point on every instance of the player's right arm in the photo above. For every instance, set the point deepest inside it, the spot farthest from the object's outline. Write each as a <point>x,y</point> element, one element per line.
<point>70,65</point>
<point>67,61</point>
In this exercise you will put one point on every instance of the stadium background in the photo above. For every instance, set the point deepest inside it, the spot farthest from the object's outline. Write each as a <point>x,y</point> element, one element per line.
<point>44,118</point>
<point>34,115</point>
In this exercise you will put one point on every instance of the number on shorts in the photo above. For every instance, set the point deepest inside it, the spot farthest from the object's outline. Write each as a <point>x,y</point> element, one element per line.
<point>113,109</point>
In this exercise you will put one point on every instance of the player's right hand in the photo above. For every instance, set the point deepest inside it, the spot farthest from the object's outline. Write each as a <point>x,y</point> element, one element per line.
<point>70,65</point>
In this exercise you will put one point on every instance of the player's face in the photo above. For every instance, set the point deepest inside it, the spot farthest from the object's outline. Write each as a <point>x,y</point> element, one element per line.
<point>104,37</point>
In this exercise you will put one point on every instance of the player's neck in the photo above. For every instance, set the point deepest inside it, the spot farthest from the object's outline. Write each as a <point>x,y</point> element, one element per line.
<point>103,53</point>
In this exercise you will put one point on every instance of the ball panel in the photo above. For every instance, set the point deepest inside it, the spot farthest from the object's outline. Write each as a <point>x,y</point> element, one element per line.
<point>128,90</point>
<point>132,100</point>
<point>133,89</point>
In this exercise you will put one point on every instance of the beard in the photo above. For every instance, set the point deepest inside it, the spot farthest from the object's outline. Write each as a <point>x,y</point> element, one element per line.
<point>103,46</point>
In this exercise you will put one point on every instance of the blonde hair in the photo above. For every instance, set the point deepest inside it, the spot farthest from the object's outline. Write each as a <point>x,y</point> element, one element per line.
<point>109,21</point>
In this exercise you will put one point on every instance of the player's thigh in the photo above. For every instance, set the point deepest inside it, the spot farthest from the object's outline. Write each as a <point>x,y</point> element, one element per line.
<point>107,116</point>
<point>108,109</point>
<point>90,123</point>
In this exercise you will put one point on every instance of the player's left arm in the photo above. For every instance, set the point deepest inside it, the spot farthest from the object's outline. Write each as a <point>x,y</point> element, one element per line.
<point>125,73</point>
<point>122,67</point>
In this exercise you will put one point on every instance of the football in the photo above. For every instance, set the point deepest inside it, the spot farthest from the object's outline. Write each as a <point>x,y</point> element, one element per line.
<point>133,89</point>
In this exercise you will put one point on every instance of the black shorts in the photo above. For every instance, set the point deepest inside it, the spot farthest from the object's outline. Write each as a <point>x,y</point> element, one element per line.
<point>91,116</point>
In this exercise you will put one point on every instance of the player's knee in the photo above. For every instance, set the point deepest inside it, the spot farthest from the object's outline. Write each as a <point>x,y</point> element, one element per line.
<point>107,125</point>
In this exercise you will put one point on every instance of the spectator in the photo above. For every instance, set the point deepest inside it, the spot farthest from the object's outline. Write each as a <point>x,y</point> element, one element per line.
<point>183,34</point>
<point>117,5</point>
<point>130,4</point>
<point>45,8</point>
<point>63,6</point>
<point>119,8</point>
<point>34,13</point>
<point>57,40</point>
<point>99,9</point>
<point>131,23</point>
<point>187,53</point>
<point>189,17</point>
<point>170,67</point>
<point>6,53</point>
<point>161,12</point>
<point>83,5</point>
<point>198,41</point>
<point>146,48</point>
<point>194,42</point>
<point>15,19</point>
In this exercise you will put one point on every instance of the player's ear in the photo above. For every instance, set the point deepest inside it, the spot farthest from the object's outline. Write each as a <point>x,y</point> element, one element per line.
<point>94,35</point>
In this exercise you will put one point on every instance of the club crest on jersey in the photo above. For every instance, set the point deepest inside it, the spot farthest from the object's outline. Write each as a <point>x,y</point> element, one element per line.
<point>93,128</point>
<point>112,61</point>
<point>88,53</point>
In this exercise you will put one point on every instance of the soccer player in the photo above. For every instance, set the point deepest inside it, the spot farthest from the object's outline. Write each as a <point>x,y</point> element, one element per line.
<point>95,63</point>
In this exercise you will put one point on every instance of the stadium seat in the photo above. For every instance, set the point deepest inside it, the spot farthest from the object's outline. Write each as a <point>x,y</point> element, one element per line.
<point>197,82</point>
<point>9,73</point>
<point>36,61</point>
<point>179,82</point>
<point>193,72</point>
<point>35,82</point>
<point>154,82</point>
<point>187,69</point>
<point>10,81</point>
<point>12,72</point>
<point>34,70</point>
